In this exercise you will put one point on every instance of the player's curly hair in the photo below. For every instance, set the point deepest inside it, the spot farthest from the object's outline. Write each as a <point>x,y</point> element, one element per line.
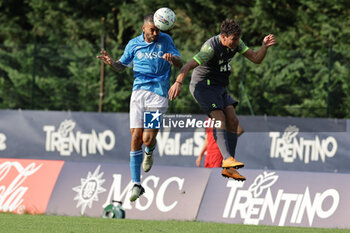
<point>230,27</point>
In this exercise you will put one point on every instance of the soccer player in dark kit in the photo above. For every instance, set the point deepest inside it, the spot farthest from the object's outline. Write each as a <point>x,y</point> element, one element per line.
<point>208,87</point>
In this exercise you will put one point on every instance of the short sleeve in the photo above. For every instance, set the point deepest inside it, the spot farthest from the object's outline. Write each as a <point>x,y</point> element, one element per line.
<point>242,48</point>
<point>127,57</point>
<point>204,55</point>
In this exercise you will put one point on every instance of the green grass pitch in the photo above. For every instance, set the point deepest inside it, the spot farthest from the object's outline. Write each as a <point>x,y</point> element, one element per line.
<point>65,224</point>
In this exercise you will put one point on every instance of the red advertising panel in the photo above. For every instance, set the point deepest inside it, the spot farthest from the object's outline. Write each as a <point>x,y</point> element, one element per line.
<point>26,185</point>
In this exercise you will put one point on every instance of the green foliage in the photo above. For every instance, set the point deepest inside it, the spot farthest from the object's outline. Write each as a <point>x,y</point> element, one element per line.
<point>48,53</point>
<point>297,77</point>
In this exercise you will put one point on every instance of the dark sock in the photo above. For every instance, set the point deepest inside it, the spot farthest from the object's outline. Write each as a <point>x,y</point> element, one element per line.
<point>232,142</point>
<point>220,136</point>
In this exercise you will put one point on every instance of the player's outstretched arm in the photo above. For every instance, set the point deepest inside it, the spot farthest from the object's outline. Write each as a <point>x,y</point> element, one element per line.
<point>175,89</point>
<point>258,56</point>
<point>116,65</point>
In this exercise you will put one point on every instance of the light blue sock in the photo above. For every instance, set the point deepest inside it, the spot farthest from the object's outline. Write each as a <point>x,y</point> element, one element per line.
<point>150,149</point>
<point>135,165</point>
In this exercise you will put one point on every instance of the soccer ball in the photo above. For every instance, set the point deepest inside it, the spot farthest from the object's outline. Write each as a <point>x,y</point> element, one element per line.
<point>164,19</point>
<point>114,210</point>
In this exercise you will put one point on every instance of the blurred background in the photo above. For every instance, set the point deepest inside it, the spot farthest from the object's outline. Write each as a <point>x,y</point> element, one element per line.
<point>48,54</point>
<point>60,156</point>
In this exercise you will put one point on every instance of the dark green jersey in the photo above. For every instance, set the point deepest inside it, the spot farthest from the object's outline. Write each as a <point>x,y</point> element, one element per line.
<point>213,60</point>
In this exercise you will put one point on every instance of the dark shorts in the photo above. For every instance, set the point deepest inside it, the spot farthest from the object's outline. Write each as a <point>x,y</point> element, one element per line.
<point>211,97</point>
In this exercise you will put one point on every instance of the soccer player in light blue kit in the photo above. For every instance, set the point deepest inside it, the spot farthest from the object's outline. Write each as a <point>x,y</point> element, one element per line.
<point>151,55</point>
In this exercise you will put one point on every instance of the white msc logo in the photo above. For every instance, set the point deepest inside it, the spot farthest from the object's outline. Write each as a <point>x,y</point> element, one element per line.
<point>288,147</point>
<point>65,140</point>
<point>152,55</point>
<point>156,191</point>
<point>139,55</point>
<point>252,204</point>
<point>88,190</point>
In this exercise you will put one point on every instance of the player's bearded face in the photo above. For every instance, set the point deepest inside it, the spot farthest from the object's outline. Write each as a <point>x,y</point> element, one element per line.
<point>151,32</point>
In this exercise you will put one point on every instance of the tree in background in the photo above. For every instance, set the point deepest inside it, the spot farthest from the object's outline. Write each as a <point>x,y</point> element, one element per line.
<point>48,50</point>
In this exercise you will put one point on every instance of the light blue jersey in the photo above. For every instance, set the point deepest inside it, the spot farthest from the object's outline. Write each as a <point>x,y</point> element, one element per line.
<point>151,71</point>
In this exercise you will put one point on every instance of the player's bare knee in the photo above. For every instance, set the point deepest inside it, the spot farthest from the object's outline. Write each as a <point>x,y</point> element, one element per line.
<point>148,140</point>
<point>219,115</point>
<point>232,124</point>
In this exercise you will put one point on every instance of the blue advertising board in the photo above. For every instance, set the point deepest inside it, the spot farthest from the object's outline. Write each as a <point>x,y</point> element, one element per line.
<point>281,143</point>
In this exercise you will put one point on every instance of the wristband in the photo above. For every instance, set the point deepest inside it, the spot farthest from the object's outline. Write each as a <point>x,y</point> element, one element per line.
<point>178,82</point>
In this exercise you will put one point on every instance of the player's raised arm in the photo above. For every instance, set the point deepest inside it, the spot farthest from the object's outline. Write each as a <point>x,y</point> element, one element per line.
<point>116,65</point>
<point>175,89</point>
<point>258,56</point>
<point>174,60</point>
